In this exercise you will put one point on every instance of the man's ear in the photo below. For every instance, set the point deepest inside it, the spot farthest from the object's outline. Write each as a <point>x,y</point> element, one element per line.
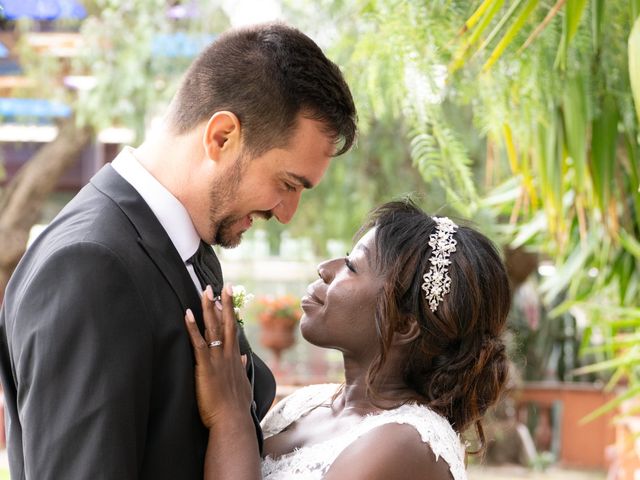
<point>222,134</point>
<point>409,331</point>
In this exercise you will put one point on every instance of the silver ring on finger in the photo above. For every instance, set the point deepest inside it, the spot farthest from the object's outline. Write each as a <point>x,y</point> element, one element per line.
<point>215,343</point>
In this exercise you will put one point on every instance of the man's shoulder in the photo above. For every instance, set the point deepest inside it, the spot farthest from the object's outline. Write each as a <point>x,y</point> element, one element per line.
<point>87,223</point>
<point>90,216</point>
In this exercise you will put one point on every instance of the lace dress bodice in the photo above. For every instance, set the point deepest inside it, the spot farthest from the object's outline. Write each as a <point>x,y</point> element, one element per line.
<point>313,461</point>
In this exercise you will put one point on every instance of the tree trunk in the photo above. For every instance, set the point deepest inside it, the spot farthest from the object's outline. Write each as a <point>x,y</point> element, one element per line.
<point>22,200</point>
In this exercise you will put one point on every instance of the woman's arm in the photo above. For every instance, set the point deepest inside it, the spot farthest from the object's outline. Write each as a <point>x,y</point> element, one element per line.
<point>223,392</point>
<point>232,452</point>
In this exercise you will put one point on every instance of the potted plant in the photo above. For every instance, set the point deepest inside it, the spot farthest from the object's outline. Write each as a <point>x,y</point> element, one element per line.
<point>278,317</point>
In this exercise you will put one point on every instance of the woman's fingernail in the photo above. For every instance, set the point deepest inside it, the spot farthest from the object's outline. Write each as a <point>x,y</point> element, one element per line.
<point>190,317</point>
<point>209,292</point>
<point>229,289</point>
<point>218,304</point>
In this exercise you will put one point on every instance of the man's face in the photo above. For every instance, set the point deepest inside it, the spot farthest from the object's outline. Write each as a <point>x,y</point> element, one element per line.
<point>270,184</point>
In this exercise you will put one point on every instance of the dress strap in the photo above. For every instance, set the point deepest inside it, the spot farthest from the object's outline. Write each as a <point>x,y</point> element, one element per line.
<point>297,405</point>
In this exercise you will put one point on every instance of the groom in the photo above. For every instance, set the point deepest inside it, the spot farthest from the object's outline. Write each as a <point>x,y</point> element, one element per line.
<point>97,368</point>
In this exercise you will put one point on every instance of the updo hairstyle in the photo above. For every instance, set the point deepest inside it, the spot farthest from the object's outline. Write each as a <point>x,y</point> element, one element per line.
<point>457,365</point>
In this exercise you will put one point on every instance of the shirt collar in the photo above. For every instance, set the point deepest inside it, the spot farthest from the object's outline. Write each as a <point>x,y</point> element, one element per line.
<point>171,214</point>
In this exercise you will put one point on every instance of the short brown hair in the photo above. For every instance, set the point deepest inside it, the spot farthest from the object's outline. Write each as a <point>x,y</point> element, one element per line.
<point>457,366</point>
<point>266,75</point>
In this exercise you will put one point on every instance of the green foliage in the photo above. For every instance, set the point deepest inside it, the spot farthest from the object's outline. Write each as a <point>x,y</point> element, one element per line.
<point>521,112</point>
<point>389,53</point>
<point>131,81</point>
<point>43,70</point>
<point>378,170</point>
<point>117,51</point>
<point>578,106</point>
<point>548,91</point>
<point>634,64</point>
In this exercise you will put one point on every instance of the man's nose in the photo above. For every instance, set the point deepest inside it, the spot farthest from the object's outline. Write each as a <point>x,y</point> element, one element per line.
<point>286,209</point>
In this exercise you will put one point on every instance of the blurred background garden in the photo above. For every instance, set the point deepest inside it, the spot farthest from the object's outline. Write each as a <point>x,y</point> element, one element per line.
<point>521,116</point>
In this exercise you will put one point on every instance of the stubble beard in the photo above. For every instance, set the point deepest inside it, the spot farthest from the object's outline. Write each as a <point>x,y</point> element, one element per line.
<point>221,197</point>
<point>224,235</point>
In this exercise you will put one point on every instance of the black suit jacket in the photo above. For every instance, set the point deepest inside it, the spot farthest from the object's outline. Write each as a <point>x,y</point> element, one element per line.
<point>95,361</point>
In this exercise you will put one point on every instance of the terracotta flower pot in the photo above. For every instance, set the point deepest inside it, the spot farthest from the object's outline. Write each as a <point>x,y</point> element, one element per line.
<point>277,336</point>
<point>278,320</point>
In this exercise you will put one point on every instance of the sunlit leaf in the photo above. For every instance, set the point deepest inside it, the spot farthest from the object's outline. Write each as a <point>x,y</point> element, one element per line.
<point>628,358</point>
<point>603,151</point>
<point>478,14</point>
<point>511,33</point>
<point>553,11</point>
<point>611,405</point>
<point>630,243</point>
<point>513,8</point>
<point>634,64</point>
<point>597,17</point>
<point>464,50</point>
<point>572,19</point>
<point>575,126</point>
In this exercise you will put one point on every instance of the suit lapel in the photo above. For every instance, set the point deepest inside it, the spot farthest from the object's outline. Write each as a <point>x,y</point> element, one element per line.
<point>155,242</point>
<point>152,237</point>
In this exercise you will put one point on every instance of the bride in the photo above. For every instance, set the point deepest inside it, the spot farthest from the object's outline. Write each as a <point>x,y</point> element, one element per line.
<point>417,310</point>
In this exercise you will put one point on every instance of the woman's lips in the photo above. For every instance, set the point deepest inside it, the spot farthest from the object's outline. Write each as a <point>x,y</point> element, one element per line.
<point>310,299</point>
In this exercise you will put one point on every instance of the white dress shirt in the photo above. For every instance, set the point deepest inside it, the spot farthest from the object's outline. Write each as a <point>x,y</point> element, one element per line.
<point>171,214</point>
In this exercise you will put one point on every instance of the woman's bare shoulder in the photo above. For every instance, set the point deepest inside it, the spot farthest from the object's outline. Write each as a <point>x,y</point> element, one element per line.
<point>390,451</point>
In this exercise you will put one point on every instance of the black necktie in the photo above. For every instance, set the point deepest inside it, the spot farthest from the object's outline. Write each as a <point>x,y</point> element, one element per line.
<point>207,268</point>
<point>209,272</point>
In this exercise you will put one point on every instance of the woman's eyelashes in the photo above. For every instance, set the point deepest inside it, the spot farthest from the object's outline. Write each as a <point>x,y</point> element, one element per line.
<point>349,264</point>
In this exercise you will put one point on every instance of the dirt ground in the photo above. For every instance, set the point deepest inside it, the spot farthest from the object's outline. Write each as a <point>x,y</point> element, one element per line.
<point>476,472</point>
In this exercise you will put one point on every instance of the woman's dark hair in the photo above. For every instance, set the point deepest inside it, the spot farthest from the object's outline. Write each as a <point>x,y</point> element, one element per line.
<point>266,75</point>
<point>457,365</point>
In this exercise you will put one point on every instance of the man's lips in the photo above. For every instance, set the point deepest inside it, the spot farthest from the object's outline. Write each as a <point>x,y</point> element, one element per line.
<point>247,221</point>
<point>264,215</point>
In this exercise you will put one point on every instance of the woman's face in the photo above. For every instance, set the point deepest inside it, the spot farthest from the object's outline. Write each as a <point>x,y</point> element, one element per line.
<point>339,307</point>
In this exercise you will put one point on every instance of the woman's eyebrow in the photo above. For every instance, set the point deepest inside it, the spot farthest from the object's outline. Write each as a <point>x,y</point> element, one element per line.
<point>367,253</point>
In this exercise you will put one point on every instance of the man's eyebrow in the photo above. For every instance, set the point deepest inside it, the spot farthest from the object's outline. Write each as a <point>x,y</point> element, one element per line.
<point>304,181</point>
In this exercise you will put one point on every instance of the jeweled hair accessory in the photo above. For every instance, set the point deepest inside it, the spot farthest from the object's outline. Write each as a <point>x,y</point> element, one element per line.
<point>437,281</point>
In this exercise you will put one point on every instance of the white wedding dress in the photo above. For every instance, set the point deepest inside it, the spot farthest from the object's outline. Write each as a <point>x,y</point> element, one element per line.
<point>313,461</point>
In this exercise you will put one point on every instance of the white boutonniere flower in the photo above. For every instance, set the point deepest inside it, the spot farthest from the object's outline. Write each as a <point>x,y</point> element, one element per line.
<point>240,300</point>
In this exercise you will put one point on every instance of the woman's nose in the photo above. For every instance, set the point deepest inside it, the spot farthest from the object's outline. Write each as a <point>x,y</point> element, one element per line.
<point>327,269</point>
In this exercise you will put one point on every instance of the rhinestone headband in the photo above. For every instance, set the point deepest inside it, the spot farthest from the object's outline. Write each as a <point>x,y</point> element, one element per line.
<point>437,281</point>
